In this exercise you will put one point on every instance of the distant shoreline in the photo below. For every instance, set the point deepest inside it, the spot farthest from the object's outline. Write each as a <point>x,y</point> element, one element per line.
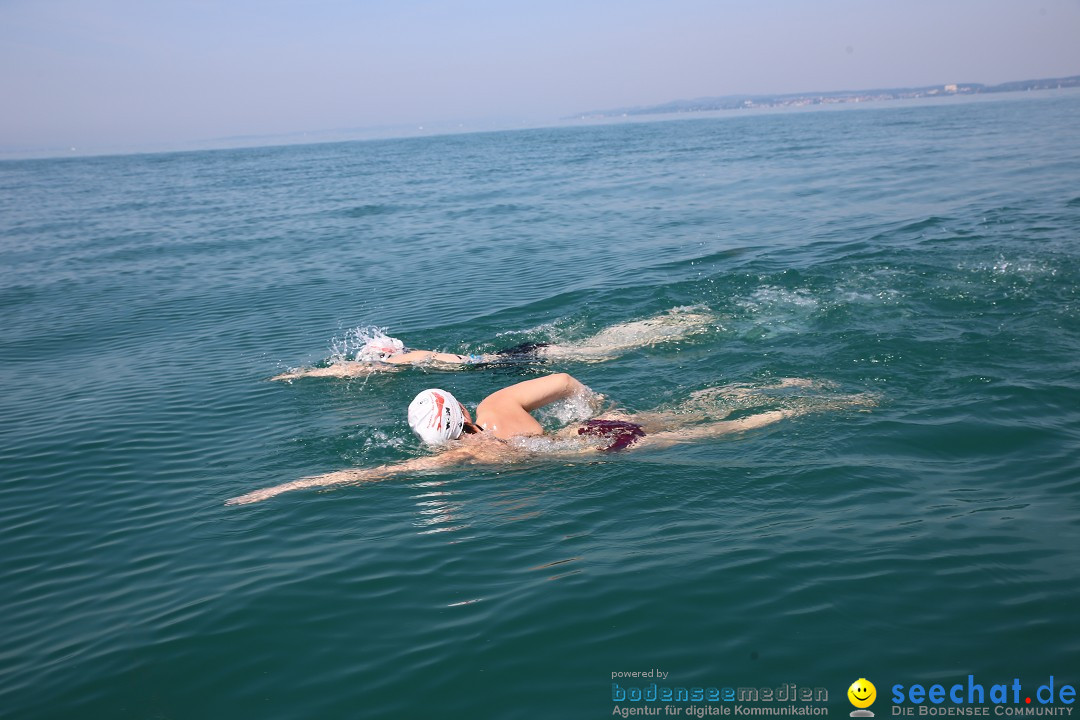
<point>785,100</point>
<point>672,110</point>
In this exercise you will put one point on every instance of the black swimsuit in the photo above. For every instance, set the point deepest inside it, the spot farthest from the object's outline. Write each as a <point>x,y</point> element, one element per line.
<point>526,352</point>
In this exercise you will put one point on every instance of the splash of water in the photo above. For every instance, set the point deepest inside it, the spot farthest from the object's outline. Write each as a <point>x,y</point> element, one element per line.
<point>547,445</point>
<point>579,406</point>
<point>355,345</point>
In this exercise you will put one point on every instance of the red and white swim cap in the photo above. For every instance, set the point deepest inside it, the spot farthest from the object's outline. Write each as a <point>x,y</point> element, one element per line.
<point>435,416</point>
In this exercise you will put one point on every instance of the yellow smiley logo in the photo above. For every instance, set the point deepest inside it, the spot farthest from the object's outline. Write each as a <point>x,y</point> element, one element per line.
<point>862,693</point>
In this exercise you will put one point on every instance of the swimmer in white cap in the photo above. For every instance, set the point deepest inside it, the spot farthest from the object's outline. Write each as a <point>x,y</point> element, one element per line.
<point>387,353</point>
<point>505,430</point>
<point>437,417</point>
<point>381,353</point>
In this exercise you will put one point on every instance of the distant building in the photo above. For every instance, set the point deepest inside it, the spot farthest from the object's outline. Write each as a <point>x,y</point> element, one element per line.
<point>950,88</point>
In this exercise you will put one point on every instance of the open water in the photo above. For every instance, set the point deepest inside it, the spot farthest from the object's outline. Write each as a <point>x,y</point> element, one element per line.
<point>928,255</point>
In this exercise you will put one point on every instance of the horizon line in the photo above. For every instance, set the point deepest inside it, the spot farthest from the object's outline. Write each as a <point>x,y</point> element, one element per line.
<point>402,131</point>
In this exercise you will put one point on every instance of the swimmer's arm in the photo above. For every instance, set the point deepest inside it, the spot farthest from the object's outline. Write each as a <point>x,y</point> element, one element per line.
<point>345,369</point>
<point>349,368</point>
<point>356,475</point>
<point>536,393</point>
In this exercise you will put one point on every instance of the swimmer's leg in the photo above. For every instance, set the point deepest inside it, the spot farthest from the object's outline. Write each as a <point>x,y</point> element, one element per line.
<point>745,396</point>
<point>690,433</point>
<point>578,353</point>
<point>675,324</point>
<point>743,390</point>
<point>693,433</point>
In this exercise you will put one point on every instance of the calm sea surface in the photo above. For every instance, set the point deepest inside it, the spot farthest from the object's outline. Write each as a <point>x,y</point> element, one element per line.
<point>927,255</point>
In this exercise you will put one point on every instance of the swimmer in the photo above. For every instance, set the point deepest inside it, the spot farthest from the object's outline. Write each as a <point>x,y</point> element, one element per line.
<point>381,353</point>
<point>505,431</point>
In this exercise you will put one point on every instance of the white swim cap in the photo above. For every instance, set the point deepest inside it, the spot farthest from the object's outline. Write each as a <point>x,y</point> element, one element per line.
<point>435,416</point>
<point>380,347</point>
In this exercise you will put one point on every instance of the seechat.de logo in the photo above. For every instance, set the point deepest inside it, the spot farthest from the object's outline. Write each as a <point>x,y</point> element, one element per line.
<point>862,694</point>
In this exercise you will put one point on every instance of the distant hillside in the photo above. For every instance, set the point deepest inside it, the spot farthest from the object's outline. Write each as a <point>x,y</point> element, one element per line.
<point>737,102</point>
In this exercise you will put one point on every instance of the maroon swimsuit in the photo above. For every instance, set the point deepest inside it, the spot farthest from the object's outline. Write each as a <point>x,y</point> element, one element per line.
<point>622,434</point>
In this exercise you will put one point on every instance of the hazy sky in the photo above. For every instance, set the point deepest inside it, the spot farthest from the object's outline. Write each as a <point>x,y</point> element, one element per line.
<point>166,72</point>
